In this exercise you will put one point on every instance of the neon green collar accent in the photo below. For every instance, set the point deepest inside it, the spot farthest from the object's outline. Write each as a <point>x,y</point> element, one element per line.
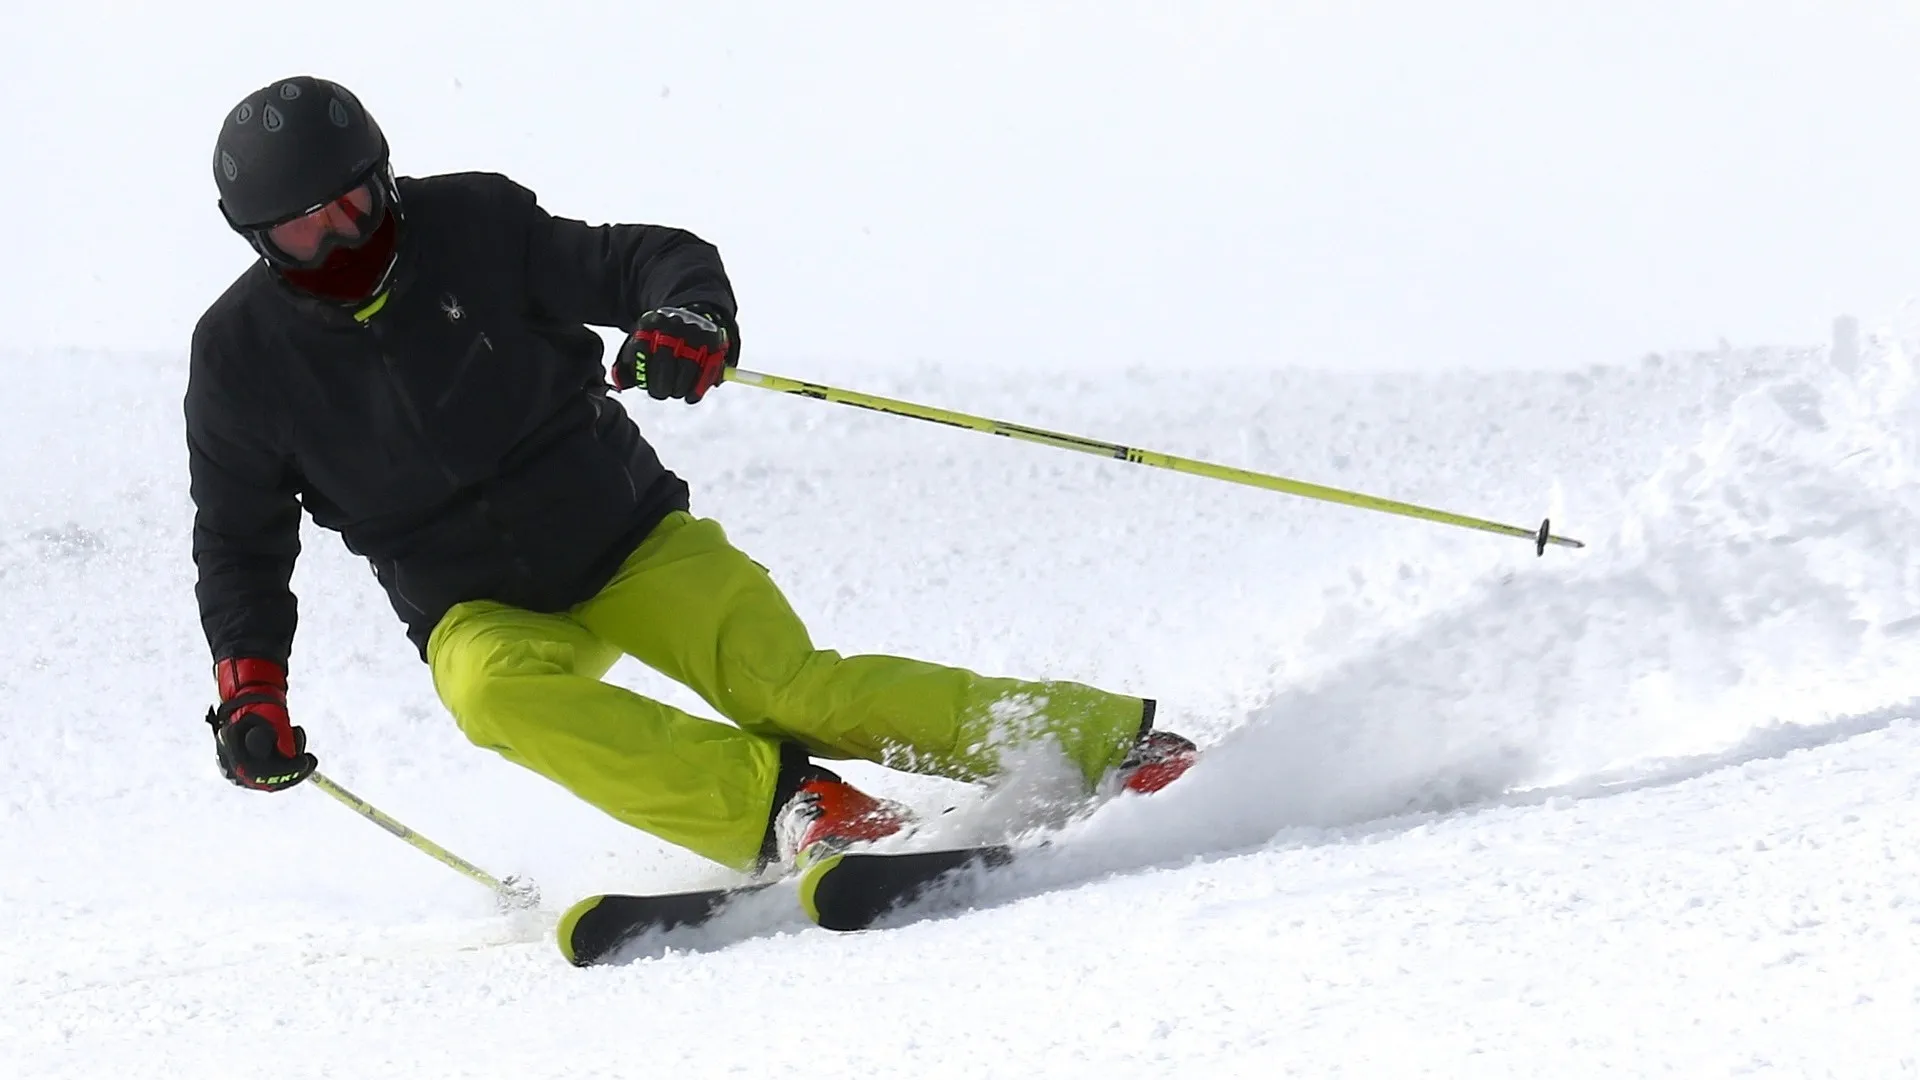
<point>372,309</point>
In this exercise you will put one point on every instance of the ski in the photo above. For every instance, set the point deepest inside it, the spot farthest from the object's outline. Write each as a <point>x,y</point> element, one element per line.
<point>842,891</point>
<point>594,930</point>
<point>853,890</point>
<point>847,891</point>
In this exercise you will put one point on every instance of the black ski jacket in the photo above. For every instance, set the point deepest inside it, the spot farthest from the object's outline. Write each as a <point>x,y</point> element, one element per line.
<point>456,432</point>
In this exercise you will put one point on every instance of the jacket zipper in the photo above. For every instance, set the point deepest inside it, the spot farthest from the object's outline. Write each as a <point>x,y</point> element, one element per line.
<point>633,489</point>
<point>485,507</point>
<point>413,415</point>
<point>481,344</point>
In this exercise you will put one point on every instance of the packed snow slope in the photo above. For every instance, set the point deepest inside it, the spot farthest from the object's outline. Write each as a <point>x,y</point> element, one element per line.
<point>1465,812</point>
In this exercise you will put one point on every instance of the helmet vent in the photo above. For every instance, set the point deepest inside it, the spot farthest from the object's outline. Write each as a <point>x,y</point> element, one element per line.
<point>290,146</point>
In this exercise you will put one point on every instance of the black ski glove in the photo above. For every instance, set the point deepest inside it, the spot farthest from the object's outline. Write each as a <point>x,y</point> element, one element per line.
<point>257,745</point>
<point>677,352</point>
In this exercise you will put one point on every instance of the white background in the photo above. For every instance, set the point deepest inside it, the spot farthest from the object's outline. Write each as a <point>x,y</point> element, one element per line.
<point>1063,185</point>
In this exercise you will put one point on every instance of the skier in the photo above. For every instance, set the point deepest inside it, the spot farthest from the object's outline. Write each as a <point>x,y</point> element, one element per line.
<point>409,361</point>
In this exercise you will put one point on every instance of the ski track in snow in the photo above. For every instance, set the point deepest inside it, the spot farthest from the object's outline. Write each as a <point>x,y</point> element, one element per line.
<point>1641,808</point>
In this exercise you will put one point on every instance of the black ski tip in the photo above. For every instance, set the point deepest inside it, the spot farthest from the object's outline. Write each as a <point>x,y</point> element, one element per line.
<point>584,934</point>
<point>855,891</point>
<point>595,930</point>
<point>1540,538</point>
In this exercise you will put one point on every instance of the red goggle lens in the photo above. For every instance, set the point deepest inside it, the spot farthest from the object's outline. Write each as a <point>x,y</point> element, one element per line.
<point>344,222</point>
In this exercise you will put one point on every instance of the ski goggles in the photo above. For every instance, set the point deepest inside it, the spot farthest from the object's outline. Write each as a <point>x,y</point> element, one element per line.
<point>305,241</point>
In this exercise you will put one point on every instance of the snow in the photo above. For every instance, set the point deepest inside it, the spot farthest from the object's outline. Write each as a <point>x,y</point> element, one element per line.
<point>1644,808</point>
<point>1467,811</point>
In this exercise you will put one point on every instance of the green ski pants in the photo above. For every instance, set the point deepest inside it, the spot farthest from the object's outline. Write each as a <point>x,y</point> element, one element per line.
<point>689,605</point>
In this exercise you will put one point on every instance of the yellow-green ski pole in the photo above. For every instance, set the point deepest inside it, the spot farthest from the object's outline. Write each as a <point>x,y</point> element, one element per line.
<point>1541,536</point>
<point>514,892</point>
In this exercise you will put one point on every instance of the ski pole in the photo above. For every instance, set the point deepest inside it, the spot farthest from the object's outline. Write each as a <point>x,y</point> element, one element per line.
<point>1541,536</point>
<point>514,892</point>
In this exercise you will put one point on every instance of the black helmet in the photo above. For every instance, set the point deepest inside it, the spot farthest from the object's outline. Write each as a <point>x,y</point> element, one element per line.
<point>291,147</point>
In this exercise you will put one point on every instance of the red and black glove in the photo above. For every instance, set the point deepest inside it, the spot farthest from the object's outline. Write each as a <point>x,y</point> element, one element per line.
<point>257,744</point>
<point>677,352</point>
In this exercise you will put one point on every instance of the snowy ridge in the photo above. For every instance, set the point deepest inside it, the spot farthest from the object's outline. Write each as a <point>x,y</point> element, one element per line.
<point>1759,579</point>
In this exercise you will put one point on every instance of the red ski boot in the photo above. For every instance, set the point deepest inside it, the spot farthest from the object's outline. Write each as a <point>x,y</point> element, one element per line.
<point>828,814</point>
<point>1155,761</point>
